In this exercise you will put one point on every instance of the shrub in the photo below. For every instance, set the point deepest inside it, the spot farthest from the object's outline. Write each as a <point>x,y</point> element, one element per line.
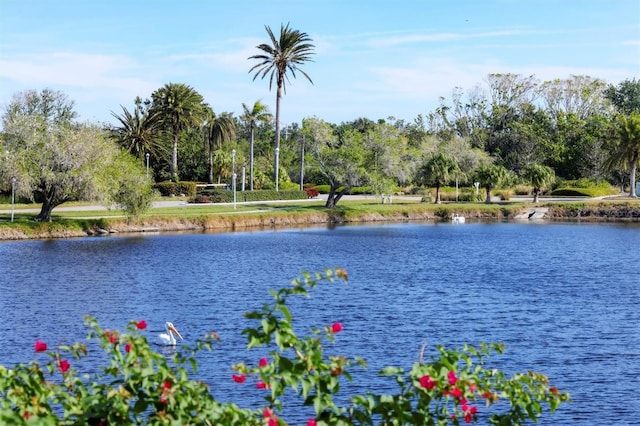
<point>176,189</point>
<point>140,386</point>
<point>312,192</point>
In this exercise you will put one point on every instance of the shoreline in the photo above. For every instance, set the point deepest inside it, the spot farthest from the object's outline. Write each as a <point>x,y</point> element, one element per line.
<point>615,210</point>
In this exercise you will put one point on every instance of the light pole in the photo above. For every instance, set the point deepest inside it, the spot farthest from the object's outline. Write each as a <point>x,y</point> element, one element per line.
<point>13,195</point>
<point>233,176</point>
<point>147,155</point>
<point>302,164</point>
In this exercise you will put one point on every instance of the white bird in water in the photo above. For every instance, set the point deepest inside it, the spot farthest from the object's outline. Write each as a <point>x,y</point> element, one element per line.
<point>168,339</point>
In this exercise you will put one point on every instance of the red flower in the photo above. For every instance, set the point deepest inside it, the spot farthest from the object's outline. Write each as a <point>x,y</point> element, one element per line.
<point>141,325</point>
<point>40,346</point>
<point>166,384</point>
<point>263,362</point>
<point>127,348</point>
<point>336,327</point>
<point>267,413</point>
<point>262,385</point>
<point>111,335</point>
<point>163,399</point>
<point>457,393</point>
<point>63,365</point>
<point>427,382</point>
<point>272,421</point>
<point>311,422</point>
<point>452,378</point>
<point>26,415</point>
<point>239,378</point>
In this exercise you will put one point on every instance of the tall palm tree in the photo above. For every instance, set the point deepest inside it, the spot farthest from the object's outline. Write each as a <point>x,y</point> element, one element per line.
<point>627,153</point>
<point>259,113</point>
<point>139,132</point>
<point>438,170</point>
<point>217,129</point>
<point>179,106</point>
<point>287,53</point>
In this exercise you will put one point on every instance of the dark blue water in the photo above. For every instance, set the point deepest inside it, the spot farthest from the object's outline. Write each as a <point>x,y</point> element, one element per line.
<point>564,298</point>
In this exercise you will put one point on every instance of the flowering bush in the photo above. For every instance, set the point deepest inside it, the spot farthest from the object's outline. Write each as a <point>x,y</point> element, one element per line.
<point>140,386</point>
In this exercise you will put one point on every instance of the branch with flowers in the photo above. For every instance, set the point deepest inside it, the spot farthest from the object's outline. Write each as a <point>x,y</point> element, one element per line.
<point>140,386</point>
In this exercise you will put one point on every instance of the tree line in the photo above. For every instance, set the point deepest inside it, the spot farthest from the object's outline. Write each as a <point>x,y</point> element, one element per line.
<point>509,127</point>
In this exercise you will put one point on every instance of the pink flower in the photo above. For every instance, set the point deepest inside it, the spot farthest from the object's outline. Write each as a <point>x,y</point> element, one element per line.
<point>127,347</point>
<point>267,413</point>
<point>272,421</point>
<point>40,346</point>
<point>63,365</point>
<point>427,382</point>
<point>141,325</point>
<point>311,422</point>
<point>457,393</point>
<point>262,385</point>
<point>163,399</point>
<point>336,327</point>
<point>263,362</point>
<point>239,378</point>
<point>452,378</point>
<point>472,387</point>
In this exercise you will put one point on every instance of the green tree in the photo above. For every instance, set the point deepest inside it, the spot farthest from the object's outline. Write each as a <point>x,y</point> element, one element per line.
<point>55,161</point>
<point>625,97</point>
<point>179,106</point>
<point>627,152</point>
<point>217,130</point>
<point>489,176</point>
<point>259,113</point>
<point>139,132</point>
<point>437,171</point>
<point>283,55</point>
<point>538,176</point>
<point>340,161</point>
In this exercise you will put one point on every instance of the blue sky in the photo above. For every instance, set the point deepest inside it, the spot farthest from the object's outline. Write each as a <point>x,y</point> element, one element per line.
<point>373,58</point>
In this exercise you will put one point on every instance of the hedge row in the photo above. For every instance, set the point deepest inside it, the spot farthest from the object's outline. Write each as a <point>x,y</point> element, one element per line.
<point>225,196</point>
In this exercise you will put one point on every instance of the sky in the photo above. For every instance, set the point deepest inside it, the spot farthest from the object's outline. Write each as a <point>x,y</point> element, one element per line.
<point>373,59</point>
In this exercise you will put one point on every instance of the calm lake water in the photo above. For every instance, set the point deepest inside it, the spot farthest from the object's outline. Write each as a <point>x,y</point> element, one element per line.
<point>564,298</point>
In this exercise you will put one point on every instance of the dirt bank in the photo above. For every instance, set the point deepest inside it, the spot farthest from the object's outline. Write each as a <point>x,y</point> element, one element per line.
<point>70,228</point>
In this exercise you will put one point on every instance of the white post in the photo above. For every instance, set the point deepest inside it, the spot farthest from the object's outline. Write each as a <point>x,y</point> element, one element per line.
<point>13,195</point>
<point>233,176</point>
<point>147,155</point>
<point>243,178</point>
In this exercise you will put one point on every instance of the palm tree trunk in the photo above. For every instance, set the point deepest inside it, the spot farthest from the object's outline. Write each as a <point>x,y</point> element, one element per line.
<point>210,163</point>
<point>438,201</point>
<point>251,158</point>
<point>632,175</point>
<point>174,157</point>
<point>277,150</point>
